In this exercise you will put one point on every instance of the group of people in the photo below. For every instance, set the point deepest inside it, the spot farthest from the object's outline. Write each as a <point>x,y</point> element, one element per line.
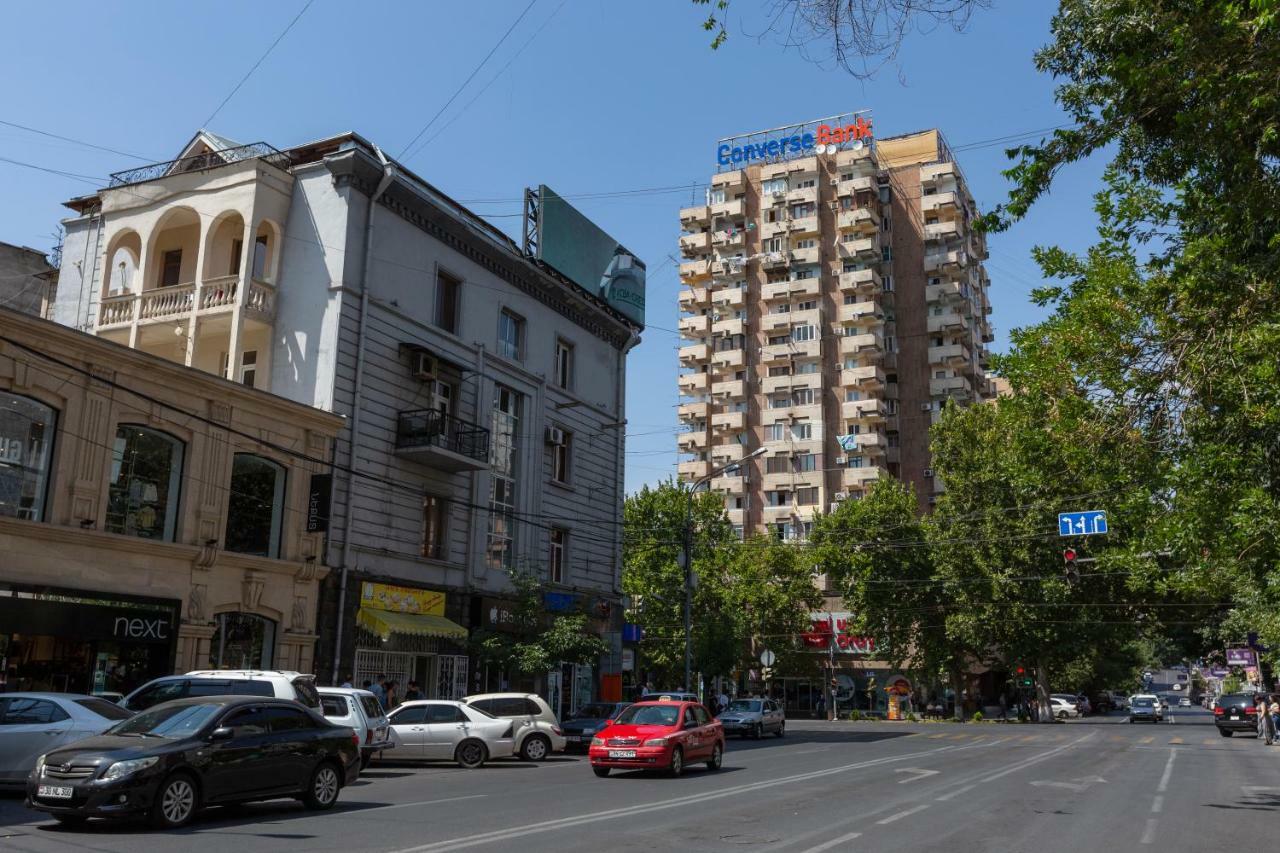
<point>388,692</point>
<point>1268,709</point>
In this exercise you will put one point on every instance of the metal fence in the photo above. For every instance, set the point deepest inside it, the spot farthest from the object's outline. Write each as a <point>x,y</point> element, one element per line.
<point>201,162</point>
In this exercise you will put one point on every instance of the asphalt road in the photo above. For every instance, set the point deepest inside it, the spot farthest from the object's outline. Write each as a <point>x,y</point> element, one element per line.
<point>1091,784</point>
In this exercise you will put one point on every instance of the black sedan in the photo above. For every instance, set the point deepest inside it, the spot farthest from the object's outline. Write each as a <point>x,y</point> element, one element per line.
<point>169,761</point>
<point>582,726</point>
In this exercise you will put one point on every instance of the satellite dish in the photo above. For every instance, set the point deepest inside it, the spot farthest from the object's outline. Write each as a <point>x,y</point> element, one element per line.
<point>858,145</point>
<point>821,149</point>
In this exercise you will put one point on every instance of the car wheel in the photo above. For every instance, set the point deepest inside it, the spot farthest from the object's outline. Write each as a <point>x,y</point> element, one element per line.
<point>782,729</point>
<point>535,748</point>
<point>717,757</point>
<point>757,732</point>
<point>71,819</point>
<point>470,754</point>
<point>175,803</point>
<point>600,771</point>
<point>322,793</point>
<point>677,762</point>
<point>1062,715</point>
<point>1225,732</point>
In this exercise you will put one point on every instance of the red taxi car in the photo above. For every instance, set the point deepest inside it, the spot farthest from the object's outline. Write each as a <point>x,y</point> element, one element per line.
<point>663,735</point>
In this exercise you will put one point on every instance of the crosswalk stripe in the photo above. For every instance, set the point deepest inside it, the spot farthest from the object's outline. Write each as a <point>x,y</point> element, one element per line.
<point>1175,740</point>
<point>1146,740</point>
<point>1030,738</point>
<point>1209,741</point>
<point>1117,739</point>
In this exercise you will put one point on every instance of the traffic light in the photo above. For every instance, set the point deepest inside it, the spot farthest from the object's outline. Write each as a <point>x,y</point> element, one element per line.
<point>1070,571</point>
<point>1021,676</point>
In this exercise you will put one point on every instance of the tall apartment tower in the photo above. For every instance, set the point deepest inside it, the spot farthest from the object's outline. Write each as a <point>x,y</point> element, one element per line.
<point>833,299</point>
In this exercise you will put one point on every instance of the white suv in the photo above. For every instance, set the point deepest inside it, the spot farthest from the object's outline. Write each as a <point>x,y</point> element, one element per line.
<point>361,711</point>
<point>537,731</point>
<point>281,684</point>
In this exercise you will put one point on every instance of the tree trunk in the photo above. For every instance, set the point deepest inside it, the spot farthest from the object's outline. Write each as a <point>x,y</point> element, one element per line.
<point>957,687</point>
<point>1042,694</point>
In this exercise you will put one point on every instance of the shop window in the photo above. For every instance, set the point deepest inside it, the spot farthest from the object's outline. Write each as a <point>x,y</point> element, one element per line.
<point>26,439</point>
<point>146,476</point>
<point>255,508</point>
<point>242,641</point>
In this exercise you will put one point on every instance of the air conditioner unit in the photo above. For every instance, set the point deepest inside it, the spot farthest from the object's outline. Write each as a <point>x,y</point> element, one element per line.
<point>842,460</point>
<point>835,182</point>
<point>928,472</point>
<point>841,496</point>
<point>424,366</point>
<point>926,407</point>
<point>555,436</point>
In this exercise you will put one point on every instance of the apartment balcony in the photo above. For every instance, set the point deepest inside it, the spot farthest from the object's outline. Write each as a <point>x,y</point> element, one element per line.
<point>948,292</point>
<point>737,517</point>
<point>866,249</point>
<point>860,344</point>
<point>729,239</point>
<point>803,226</point>
<point>177,303</point>
<point>729,421</point>
<point>859,479</point>
<point>693,384</point>
<point>871,410</point>
<point>692,217</point>
<point>951,262</point>
<point>952,355</point>
<point>727,209</point>
<point>947,323</point>
<point>790,289</point>
<point>775,260</point>
<point>691,442</point>
<point>695,244</point>
<point>800,195</point>
<point>864,219</point>
<point>867,378</point>
<point>958,387</point>
<point>695,327</point>
<point>693,470</point>
<point>778,481</point>
<point>693,411</point>
<point>695,270</point>
<point>728,327</point>
<point>729,358</point>
<point>857,184</point>
<point>944,230</point>
<point>728,298</point>
<point>735,485</point>
<point>862,282</point>
<point>695,354</point>
<point>868,442</point>
<point>441,441</point>
<point>774,229</point>
<point>730,182</point>
<point>775,514</point>
<point>730,265</point>
<point>729,451</point>
<point>692,298</point>
<point>811,255</point>
<point>944,204</point>
<point>860,312</point>
<point>776,353</point>
<point>733,389</point>
<point>936,172</point>
<point>859,158</point>
<point>774,384</point>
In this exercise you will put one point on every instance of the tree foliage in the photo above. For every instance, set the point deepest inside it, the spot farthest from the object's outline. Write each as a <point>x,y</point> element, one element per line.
<point>537,644</point>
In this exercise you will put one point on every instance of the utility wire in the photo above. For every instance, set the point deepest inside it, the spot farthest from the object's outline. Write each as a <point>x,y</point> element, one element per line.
<point>254,68</point>
<point>92,145</point>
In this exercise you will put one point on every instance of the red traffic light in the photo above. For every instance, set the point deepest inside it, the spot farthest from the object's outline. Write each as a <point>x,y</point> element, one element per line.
<point>1069,555</point>
<point>1022,670</point>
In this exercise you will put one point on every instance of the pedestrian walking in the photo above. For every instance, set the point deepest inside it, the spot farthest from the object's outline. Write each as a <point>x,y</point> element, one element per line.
<point>378,688</point>
<point>1266,729</point>
<point>393,694</point>
<point>820,707</point>
<point>722,702</point>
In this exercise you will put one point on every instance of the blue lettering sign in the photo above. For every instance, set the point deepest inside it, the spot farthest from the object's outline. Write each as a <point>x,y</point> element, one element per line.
<point>722,155</point>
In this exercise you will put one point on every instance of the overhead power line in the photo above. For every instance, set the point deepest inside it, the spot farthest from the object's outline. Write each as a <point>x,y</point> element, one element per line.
<point>74,141</point>
<point>254,68</point>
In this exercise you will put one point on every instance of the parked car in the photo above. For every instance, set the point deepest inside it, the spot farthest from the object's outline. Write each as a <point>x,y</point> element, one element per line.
<point>1235,712</point>
<point>537,732</point>
<point>658,736</point>
<point>1144,709</point>
<point>171,760</point>
<point>1062,708</point>
<point>109,695</point>
<point>360,711</point>
<point>754,717</point>
<point>1119,701</point>
<point>32,723</point>
<point>225,682</point>
<point>579,728</point>
<point>1083,705</point>
<point>440,730</point>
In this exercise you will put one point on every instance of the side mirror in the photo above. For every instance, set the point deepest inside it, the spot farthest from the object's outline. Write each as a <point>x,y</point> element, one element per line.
<point>690,724</point>
<point>606,724</point>
<point>221,733</point>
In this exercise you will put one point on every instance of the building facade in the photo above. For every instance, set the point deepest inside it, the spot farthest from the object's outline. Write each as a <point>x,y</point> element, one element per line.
<point>28,282</point>
<point>833,300</point>
<point>483,393</point>
<point>152,517</point>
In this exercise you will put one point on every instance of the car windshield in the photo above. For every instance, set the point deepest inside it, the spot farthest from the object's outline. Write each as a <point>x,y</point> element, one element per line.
<point>105,709</point>
<point>744,705</point>
<point>174,721</point>
<point>650,715</point>
<point>596,711</point>
<point>1142,703</point>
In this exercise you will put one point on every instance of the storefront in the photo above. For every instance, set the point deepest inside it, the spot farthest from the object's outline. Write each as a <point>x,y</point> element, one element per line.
<point>84,642</point>
<point>404,634</point>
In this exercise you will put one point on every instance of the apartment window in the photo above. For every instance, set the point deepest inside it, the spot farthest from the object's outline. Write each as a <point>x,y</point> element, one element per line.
<point>560,459</point>
<point>249,367</point>
<point>146,476</point>
<point>255,507</point>
<point>448,290</point>
<point>886,194</point>
<point>510,335</point>
<point>929,190</point>
<point>779,402</point>
<point>807,496</point>
<point>433,527</point>
<point>774,432</point>
<point>237,249</point>
<point>260,257</point>
<point>781,308</point>
<point>779,371</point>
<point>171,267</point>
<point>852,396</point>
<point>807,367</point>
<point>855,462</point>
<point>887,284</point>
<point>800,211</point>
<point>774,340</point>
<point>773,244</point>
<point>803,333</point>
<point>564,364</point>
<point>802,430</point>
<point>802,397</point>
<point>774,185</point>
<point>778,498</point>
<point>716,196</point>
<point>808,305</point>
<point>776,465</point>
<point>26,438</point>
<point>806,273</point>
<point>940,374</point>
<point>886,253</point>
<point>556,554</point>
<point>850,299</point>
<point>503,457</point>
<point>807,462</point>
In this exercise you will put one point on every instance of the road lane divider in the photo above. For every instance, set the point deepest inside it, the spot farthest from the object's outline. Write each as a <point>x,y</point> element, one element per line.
<point>904,813</point>
<point>834,842</point>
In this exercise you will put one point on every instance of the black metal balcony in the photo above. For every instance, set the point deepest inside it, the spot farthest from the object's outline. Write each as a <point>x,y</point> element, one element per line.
<point>442,441</point>
<point>201,162</point>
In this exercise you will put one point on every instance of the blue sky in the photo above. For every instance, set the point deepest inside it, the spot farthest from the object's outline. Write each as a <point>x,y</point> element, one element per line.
<point>585,96</point>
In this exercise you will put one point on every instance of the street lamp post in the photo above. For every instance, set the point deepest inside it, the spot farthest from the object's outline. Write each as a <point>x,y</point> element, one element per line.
<point>688,560</point>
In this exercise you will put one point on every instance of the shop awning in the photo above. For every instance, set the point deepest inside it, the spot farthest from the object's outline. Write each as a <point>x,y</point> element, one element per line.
<point>385,622</point>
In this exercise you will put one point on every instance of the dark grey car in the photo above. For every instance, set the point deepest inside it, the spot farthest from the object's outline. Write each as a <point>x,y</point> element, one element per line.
<point>754,717</point>
<point>582,726</point>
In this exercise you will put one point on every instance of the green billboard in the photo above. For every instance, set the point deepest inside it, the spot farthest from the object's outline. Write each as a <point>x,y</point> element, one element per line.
<point>580,251</point>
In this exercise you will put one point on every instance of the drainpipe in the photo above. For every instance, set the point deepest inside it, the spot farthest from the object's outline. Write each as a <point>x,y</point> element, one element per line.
<point>388,175</point>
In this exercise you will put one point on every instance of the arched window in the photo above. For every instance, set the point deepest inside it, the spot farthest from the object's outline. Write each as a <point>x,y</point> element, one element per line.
<point>26,444</point>
<point>243,641</point>
<point>146,477</point>
<point>255,508</point>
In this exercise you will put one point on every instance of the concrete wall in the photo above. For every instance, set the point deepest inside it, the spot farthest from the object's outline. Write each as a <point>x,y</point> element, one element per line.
<point>23,279</point>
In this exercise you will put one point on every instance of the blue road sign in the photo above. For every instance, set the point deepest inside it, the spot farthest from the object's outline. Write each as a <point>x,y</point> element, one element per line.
<point>1089,523</point>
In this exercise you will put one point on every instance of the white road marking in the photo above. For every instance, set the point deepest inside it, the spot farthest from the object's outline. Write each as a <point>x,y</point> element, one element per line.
<point>900,815</point>
<point>423,803</point>
<point>1168,772</point>
<point>917,774</point>
<point>1149,834</point>
<point>1078,785</point>
<point>957,792</point>
<point>475,840</point>
<point>1044,756</point>
<point>835,842</point>
<point>1157,805</point>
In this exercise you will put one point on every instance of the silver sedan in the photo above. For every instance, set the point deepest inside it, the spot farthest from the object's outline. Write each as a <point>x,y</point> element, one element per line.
<point>31,724</point>
<point>753,717</point>
<point>439,730</point>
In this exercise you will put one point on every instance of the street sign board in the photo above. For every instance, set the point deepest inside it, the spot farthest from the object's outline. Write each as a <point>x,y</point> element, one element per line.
<point>1088,523</point>
<point>767,658</point>
<point>1241,657</point>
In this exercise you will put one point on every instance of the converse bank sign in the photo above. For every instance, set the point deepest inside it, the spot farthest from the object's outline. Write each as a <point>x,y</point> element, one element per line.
<point>825,136</point>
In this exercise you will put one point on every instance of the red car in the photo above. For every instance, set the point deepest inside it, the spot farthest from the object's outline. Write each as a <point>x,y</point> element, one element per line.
<point>658,735</point>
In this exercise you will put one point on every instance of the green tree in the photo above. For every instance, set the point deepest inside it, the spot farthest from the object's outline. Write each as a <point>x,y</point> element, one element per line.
<point>536,643</point>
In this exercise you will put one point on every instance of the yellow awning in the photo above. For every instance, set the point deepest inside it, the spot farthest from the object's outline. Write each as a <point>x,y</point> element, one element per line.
<point>385,622</point>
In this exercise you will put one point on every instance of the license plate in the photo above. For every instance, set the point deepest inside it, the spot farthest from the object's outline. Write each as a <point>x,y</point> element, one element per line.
<point>54,791</point>
<point>1234,715</point>
<point>622,753</point>
<point>573,738</point>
